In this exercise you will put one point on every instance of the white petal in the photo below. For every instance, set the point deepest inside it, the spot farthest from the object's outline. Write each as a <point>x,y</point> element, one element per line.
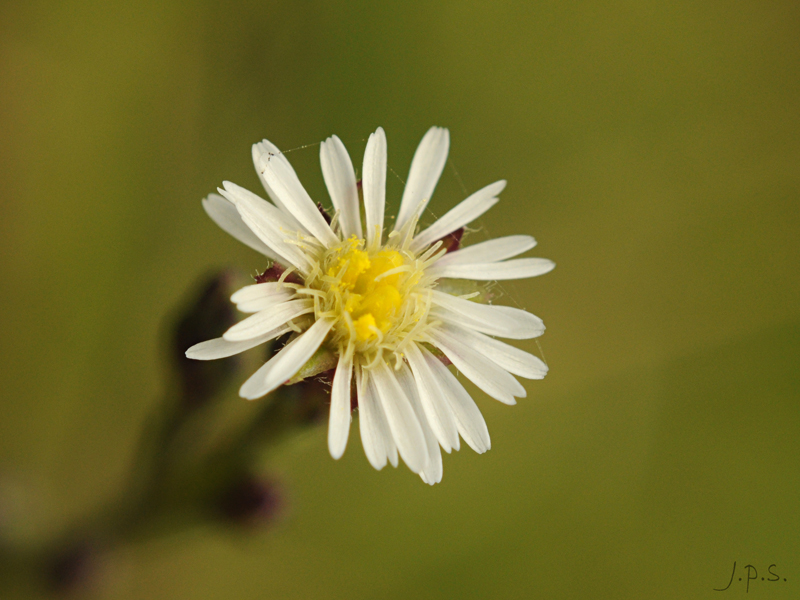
<point>500,322</point>
<point>281,367</point>
<point>469,419</point>
<point>432,473</point>
<point>256,291</point>
<point>284,182</point>
<point>266,151</point>
<point>389,445</point>
<point>507,357</point>
<point>288,254</point>
<point>340,178</point>
<point>222,348</point>
<point>224,214</point>
<point>374,184</point>
<point>267,320</point>
<point>403,423</point>
<point>518,268</point>
<point>462,214</point>
<point>505,321</point>
<point>493,380</point>
<point>489,251</point>
<point>372,433</point>
<point>438,411</point>
<point>426,168</point>
<point>339,420</point>
<point>266,302</point>
<point>388,439</point>
<point>268,223</point>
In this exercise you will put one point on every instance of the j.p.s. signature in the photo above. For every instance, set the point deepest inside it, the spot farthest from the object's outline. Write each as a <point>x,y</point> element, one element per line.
<point>750,573</point>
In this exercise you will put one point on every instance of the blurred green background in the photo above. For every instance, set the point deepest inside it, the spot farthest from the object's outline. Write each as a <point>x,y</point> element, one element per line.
<point>652,148</point>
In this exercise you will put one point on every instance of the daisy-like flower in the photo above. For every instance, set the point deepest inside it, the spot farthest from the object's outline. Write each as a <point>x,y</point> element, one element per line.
<point>383,303</point>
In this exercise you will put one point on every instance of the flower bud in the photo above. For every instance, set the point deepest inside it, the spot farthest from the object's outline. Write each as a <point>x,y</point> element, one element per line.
<point>74,567</point>
<point>250,501</point>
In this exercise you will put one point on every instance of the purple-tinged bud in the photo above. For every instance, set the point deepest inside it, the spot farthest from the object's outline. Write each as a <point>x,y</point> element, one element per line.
<point>251,501</point>
<point>74,567</point>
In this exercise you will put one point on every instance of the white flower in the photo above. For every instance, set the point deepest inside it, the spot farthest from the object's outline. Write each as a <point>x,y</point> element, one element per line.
<point>377,300</point>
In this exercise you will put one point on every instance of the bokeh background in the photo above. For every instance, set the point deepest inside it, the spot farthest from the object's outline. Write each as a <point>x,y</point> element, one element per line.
<point>652,148</point>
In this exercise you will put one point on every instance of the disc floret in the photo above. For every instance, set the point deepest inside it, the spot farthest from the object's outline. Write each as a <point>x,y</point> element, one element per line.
<point>378,297</point>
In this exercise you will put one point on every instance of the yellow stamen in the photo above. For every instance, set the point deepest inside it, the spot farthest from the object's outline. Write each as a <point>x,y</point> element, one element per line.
<point>377,296</point>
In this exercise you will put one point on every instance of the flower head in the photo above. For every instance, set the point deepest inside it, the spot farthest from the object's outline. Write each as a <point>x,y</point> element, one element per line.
<point>381,302</point>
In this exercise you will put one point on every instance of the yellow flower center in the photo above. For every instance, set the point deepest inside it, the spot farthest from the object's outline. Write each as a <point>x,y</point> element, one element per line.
<point>377,297</point>
<point>371,300</point>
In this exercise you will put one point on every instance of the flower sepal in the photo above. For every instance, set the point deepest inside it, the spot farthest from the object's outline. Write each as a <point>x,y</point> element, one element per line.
<point>274,273</point>
<point>322,360</point>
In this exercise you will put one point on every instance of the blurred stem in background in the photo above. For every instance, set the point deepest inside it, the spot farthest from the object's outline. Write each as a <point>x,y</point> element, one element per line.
<point>188,470</point>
